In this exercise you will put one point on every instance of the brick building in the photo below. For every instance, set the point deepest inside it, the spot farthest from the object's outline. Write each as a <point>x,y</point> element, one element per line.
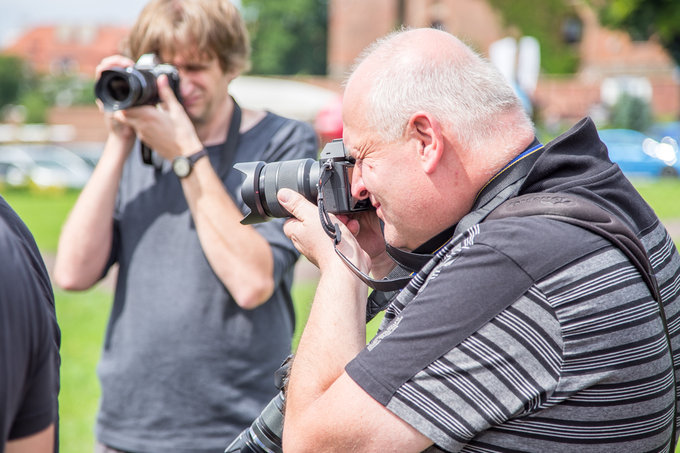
<point>67,49</point>
<point>606,55</point>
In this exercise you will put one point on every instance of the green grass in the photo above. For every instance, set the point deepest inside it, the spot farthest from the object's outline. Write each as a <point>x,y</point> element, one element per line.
<point>663,195</point>
<point>82,316</point>
<point>43,211</point>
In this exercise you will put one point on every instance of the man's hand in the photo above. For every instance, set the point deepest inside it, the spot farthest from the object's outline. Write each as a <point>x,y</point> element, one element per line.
<point>365,226</point>
<point>308,236</point>
<point>166,128</point>
<point>117,129</point>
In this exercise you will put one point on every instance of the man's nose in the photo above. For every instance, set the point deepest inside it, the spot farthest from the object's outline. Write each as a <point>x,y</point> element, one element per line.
<point>359,190</point>
<point>184,82</point>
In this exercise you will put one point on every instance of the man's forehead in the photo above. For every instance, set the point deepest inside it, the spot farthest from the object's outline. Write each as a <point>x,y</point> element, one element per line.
<point>186,57</point>
<point>349,140</point>
<point>357,145</point>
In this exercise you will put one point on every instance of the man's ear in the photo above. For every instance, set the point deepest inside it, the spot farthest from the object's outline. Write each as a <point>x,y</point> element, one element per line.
<point>427,131</point>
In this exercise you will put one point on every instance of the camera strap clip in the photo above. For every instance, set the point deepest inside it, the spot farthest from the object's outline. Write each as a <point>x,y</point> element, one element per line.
<point>331,229</point>
<point>334,232</point>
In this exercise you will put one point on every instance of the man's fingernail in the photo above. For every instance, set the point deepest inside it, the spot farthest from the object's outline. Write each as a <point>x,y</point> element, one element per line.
<point>284,195</point>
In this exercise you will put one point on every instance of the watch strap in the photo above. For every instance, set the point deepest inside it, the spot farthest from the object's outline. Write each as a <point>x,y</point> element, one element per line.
<point>182,166</point>
<point>197,155</point>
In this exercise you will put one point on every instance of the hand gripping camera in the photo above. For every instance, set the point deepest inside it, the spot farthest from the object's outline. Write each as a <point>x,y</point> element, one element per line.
<point>325,182</point>
<point>122,88</point>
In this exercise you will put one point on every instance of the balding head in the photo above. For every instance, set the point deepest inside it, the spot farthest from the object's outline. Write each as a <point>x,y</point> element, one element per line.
<point>431,70</point>
<point>406,48</point>
<point>426,116</point>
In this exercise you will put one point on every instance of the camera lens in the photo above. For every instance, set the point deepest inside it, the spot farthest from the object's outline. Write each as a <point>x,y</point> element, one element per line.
<point>263,181</point>
<point>120,89</point>
<point>264,434</point>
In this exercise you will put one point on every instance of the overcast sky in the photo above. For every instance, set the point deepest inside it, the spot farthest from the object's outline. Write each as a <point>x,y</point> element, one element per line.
<point>17,15</point>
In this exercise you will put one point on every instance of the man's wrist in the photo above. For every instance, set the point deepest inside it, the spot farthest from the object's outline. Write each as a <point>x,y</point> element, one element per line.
<point>183,165</point>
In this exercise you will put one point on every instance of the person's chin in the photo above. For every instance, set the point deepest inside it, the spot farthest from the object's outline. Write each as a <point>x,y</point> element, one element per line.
<point>193,109</point>
<point>392,237</point>
<point>192,112</point>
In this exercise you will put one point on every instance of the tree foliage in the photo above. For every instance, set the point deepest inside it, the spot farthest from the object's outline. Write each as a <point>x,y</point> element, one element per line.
<point>287,37</point>
<point>645,18</point>
<point>631,112</point>
<point>15,79</point>
<point>546,21</point>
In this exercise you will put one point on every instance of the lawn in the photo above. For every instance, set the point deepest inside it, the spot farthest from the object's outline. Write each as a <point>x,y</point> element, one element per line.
<point>82,315</point>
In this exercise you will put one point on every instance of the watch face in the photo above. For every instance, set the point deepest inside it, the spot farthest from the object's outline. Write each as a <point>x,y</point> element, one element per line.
<point>181,166</point>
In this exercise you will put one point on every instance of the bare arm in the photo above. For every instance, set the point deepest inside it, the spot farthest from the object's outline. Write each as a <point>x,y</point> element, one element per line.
<point>85,240</point>
<point>239,255</point>
<point>325,409</point>
<point>41,442</point>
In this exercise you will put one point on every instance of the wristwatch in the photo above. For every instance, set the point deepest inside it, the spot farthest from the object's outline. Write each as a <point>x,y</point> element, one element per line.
<point>182,165</point>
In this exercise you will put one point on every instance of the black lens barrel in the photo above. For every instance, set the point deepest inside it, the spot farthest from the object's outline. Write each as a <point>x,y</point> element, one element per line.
<point>122,88</point>
<point>263,181</point>
<point>264,434</point>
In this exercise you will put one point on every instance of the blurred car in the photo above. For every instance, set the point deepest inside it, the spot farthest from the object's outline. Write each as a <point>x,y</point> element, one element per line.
<point>13,174</point>
<point>44,165</point>
<point>88,151</point>
<point>639,155</point>
<point>659,131</point>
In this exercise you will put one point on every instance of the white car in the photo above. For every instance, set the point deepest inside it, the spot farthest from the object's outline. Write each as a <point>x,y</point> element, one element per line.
<point>44,165</point>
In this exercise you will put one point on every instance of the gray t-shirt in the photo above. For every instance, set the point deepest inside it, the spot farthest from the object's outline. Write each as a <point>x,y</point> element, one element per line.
<point>183,367</point>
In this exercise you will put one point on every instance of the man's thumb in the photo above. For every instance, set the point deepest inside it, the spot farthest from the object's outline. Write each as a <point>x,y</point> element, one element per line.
<point>165,92</point>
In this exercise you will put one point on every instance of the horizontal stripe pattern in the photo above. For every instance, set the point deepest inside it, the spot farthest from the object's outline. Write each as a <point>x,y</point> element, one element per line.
<point>581,359</point>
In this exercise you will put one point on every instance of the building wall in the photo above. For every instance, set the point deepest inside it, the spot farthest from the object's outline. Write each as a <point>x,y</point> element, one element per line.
<point>68,49</point>
<point>352,25</point>
<point>604,53</point>
<point>473,21</point>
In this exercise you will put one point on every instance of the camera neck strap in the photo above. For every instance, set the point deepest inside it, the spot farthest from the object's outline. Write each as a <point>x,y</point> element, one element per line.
<point>231,141</point>
<point>228,146</point>
<point>501,187</point>
<point>334,232</point>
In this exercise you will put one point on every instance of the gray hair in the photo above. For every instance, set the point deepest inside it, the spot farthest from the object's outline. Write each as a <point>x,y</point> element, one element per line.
<point>469,94</point>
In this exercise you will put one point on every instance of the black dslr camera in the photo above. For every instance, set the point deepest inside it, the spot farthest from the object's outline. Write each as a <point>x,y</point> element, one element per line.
<point>122,88</point>
<point>264,434</point>
<point>325,182</point>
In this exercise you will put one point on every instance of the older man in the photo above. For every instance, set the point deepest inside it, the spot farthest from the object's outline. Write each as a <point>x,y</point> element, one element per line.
<point>518,334</point>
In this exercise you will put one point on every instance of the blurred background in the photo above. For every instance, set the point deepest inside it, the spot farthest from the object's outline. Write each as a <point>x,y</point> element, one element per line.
<point>613,60</point>
<point>616,61</point>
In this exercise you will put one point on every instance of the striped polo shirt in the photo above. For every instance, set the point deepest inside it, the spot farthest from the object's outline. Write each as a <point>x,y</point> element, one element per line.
<point>573,358</point>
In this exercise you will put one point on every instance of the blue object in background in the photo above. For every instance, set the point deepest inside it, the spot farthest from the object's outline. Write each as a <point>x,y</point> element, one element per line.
<point>666,129</point>
<point>639,155</point>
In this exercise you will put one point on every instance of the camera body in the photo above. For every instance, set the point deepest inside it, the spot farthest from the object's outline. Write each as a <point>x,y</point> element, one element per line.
<point>123,88</point>
<point>331,175</point>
